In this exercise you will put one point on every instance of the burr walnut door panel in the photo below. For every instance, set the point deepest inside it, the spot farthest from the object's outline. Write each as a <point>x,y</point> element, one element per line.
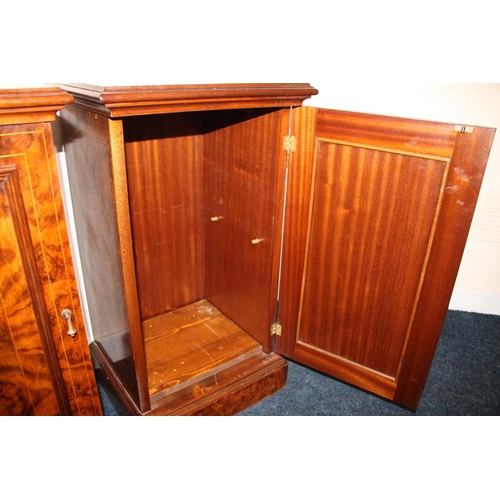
<point>43,370</point>
<point>28,374</point>
<point>377,219</point>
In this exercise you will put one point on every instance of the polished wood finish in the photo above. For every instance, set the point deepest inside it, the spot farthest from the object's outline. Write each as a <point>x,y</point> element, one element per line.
<point>31,104</point>
<point>145,100</point>
<point>377,206</point>
<point>169,174</point>
<point>229,391</point>
<point>466,170</point>
<point>243,178</point>
<point>165,172</point>
<point>190,344</point>
<point>100,204</point>
<point>351,240</point>
<point>30,372</point>
<point>44,370</point>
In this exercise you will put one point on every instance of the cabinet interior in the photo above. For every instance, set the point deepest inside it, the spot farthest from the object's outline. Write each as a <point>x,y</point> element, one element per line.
<point>204,202</point>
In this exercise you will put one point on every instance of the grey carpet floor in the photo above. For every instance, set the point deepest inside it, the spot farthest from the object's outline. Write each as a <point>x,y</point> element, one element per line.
<point>464,379</point>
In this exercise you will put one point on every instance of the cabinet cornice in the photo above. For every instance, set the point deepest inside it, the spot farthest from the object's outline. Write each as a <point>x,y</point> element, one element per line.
<point>122,101</point>
<point>31,104</point>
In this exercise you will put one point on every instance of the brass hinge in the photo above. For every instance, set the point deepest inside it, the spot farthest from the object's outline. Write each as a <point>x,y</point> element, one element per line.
<point>463,130</point>
<point>276,329</point>
<point>289,143</point>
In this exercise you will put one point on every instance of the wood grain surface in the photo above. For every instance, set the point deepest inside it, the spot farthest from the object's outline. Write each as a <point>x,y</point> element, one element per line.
<point>27,385</point>
<point>30,148</point>
<point>244,172</point>
<point>165,174</point>
<point>27,104</point>
<point>191,344</point>
<point>375,222</point>
<point>97,174</point>
<point>372,232</point>
<point>123,101</point>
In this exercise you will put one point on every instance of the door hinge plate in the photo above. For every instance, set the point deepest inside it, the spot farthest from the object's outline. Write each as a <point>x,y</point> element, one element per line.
<point>276,329</point>
<point>464,130</point>
<point>289,143</point>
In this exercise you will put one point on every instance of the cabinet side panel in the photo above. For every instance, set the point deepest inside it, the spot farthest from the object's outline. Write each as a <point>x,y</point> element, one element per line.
<point>87,149</point>
<point>164,169</point>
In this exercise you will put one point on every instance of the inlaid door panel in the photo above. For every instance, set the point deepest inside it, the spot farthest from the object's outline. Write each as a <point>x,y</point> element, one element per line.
<point>26,377</point>
<point>371,227</point>
<point>369,233</point>
<point>38,281</point>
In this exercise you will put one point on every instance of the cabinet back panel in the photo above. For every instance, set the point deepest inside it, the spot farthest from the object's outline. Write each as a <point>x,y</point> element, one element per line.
<point>164,169</point>
<point>183,170</point>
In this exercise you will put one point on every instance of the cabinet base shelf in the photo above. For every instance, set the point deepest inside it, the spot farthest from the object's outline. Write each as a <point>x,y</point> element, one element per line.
<point>199,362</point>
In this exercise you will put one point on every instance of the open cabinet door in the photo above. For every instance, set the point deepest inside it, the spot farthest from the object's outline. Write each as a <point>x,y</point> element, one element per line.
<point>378,212</point>
<point>243,216</point>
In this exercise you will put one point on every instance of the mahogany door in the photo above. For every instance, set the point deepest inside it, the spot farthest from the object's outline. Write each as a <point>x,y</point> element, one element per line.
<point>377,217</point>
<point>243,216</point>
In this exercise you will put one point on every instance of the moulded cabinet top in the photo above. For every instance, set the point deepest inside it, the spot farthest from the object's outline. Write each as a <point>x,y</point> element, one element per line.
<point>143,100</point>
<point>31,104</point>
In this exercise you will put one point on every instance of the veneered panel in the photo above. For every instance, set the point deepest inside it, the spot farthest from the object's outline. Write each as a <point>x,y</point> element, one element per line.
<point>47,241</point>
<point>90,173</point>
<point>371,224</point>
<point>164,170</point>
<point>399,134</point>
<point>26,386</point>
<point>377,218</point>
<point>243,170</point>
<point>470,156</point>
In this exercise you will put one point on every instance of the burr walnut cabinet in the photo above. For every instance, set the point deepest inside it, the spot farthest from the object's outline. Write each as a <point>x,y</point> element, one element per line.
<point>45,364</point>
<point>227,228</point>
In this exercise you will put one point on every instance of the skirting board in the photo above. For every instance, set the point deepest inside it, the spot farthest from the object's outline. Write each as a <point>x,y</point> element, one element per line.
<point>472,300</point>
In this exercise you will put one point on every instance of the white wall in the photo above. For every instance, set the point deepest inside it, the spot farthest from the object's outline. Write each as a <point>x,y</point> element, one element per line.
<point>363,56</point>
<point>478,283</point>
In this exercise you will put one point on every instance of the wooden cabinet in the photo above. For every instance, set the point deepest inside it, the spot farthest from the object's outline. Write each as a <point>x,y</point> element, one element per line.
<point>43,370</point>
<point>224,229</point>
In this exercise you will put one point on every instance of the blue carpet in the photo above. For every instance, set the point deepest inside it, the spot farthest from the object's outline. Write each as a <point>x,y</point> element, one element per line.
<point>464,379</point>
